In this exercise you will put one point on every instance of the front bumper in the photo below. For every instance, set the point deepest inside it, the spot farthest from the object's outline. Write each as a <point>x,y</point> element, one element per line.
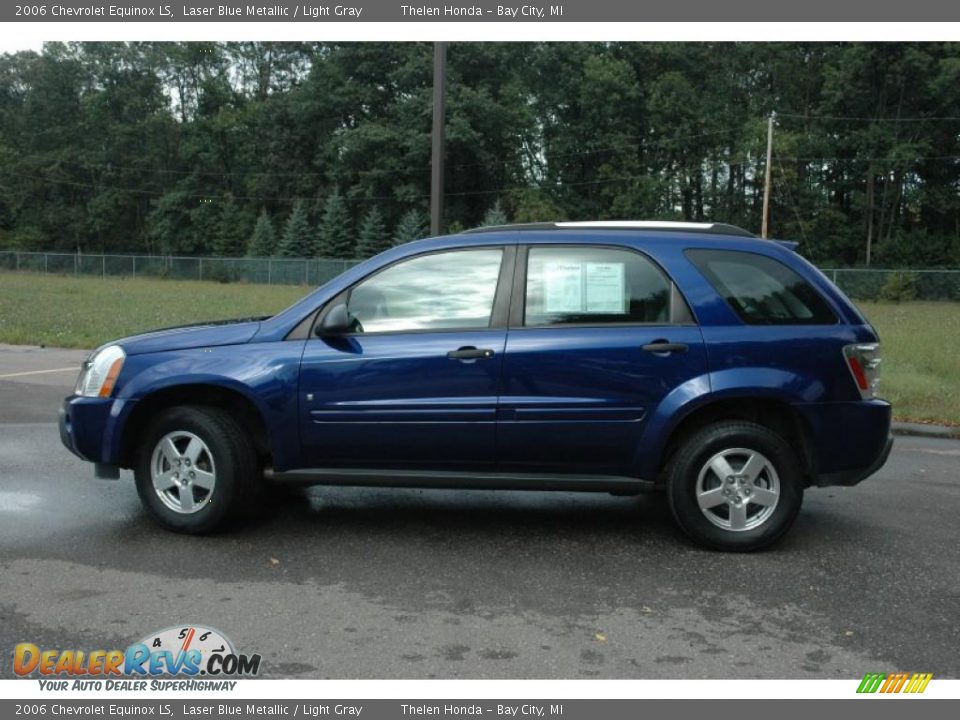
<point>83,421</point>
<point>89,428</point>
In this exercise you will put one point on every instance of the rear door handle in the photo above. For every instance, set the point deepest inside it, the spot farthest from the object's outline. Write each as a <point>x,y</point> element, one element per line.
<point>470,353</point>
<point>665,347</point>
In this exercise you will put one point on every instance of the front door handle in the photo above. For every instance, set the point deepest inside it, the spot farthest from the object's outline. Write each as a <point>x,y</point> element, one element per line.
<point>470,353</point>
<point>662,346</point>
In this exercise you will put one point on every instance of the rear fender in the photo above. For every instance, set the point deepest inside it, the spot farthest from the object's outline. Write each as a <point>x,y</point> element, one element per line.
<point>749,382</point>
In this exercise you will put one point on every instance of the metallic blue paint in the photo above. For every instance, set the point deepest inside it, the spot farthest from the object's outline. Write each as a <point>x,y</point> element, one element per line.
<point>846,436</point>
<point>558,399</point>
<point>83,423</point>
<point>577,399</point>
<point>191,336</point>
<point>397,400</point>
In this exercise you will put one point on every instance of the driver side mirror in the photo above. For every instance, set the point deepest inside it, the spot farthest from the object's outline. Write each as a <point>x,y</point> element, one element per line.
<point>335,322</point>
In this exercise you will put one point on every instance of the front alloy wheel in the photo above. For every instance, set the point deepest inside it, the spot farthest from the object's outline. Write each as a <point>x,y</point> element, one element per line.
<point>183,471</point>
<point>197,469</point>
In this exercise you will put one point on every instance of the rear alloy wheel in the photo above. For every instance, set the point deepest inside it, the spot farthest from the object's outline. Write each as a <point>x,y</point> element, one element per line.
<point>735,485</point>
<point>197,469</point>
<point>738,489</point>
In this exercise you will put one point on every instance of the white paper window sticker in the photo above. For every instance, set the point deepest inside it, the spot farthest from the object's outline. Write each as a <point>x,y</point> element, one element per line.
<point>604,283</point>
<point>562,287</point>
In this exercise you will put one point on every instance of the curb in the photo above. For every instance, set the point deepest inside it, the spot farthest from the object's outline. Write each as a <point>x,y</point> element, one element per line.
<point>944,432</point>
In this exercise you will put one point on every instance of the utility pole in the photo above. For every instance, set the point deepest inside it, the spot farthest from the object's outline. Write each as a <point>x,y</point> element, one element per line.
<point>439,118</point>
<point>766,184</point>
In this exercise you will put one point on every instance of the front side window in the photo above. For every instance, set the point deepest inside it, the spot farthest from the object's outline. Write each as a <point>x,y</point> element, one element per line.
<point>440,291</point>
<point>594,285</point>
<point>761,290</point>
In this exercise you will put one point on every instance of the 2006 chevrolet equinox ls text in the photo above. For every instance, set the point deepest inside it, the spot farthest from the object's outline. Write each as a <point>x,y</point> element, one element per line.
<point>611,356</point>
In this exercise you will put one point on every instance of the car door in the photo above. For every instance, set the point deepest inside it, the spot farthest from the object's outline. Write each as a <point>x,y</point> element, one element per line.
<point>414,385</point>
<point>598,336</point>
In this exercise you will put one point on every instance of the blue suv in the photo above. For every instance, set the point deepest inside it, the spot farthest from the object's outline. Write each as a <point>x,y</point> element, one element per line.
<point>620,357</point>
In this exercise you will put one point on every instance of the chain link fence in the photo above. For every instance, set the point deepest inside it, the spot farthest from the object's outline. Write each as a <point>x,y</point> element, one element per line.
<point>896,284</point>
<point>858,283</point>
<point>270,271</point>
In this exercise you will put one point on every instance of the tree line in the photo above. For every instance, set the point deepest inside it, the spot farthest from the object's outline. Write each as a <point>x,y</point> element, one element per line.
<point>323,149</point>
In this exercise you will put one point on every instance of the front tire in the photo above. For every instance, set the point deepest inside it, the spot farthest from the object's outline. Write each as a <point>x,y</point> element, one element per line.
<point>197,470</point>
<point>735,486</point>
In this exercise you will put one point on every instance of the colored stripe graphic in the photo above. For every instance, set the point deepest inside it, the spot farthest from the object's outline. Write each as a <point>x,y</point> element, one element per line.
<point>918,683</point>
<point>894,682</point>
<point>871,682</point>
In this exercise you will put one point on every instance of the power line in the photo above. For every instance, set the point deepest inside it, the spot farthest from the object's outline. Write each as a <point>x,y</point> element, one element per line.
<point>198,196</point>
<point>109,166</point>
<point>860,118</point>
<point>793,204</point>
<point>367,198</point>
<point>464,193</point>
<point>896,160</point>
<point>243,175</point>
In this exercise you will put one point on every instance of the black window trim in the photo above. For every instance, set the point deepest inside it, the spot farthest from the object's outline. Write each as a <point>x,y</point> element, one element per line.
<point>680,315</point>
<point>498,315</point>
<point>827,302</point>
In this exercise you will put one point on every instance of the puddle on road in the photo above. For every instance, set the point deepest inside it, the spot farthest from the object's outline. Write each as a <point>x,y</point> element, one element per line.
<point>13,502</point>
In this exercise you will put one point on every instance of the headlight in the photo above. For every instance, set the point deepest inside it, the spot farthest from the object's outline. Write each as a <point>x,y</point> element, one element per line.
<point>100,372</point>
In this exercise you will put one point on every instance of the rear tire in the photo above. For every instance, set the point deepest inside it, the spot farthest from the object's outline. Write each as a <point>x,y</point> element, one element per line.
<point>735,486</point>
<point>197,470</point>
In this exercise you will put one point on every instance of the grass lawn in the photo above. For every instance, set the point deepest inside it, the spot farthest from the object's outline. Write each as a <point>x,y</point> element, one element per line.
<point>84,312</point>
<point>921,340</point>
<point>920,373</point>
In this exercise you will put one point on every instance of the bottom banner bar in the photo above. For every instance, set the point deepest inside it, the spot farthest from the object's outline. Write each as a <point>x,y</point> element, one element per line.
<point>614,709</point>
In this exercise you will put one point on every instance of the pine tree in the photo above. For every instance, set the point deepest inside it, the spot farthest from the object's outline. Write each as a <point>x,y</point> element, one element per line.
<point>297,236</point>
<point>231,230</point>
<point>334,238</point>
<point>412,226</point>
<point>263,242</point>
<point>373,237</point>
<point>495,215</point>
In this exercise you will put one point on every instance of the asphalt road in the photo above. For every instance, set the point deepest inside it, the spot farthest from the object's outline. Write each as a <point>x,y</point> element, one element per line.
<point>414,584</point>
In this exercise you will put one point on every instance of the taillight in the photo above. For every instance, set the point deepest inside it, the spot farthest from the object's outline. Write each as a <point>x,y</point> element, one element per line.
<point>863,359</point>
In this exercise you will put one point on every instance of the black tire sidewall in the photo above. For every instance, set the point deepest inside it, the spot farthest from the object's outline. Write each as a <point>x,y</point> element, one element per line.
<point>233,461</point>
<point>707,442</point>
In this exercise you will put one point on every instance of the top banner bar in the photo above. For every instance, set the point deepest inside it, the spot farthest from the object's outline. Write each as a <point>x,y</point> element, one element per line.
<point>478,11</point>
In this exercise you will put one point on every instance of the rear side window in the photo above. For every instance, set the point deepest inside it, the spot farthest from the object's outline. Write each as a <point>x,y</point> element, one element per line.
<point>594,285</point>
<point>761,290</point>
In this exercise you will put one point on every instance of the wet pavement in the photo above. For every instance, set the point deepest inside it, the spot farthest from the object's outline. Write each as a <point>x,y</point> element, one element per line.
<point>343,582</point>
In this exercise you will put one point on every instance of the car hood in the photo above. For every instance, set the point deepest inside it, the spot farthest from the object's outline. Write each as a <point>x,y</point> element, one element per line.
<point>184,337</point>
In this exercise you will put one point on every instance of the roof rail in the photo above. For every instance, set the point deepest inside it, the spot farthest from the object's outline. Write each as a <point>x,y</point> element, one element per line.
<point>661,225</point>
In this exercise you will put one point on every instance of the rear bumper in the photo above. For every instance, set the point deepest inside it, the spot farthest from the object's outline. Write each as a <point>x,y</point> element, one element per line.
<point>854,476</point>
<point>850,440</point>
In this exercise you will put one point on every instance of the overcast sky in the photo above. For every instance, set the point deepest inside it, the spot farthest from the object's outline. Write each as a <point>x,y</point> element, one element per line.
<point>13,44</point>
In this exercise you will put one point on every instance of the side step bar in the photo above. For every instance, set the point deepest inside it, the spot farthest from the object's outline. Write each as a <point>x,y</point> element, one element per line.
<point>463,480</point>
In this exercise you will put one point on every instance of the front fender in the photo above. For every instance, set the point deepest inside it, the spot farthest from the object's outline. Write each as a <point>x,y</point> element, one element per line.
<point>746,382</point>
<point>265,374</point>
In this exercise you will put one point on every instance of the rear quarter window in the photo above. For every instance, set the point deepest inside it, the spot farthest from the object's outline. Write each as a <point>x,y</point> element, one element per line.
<point>761,290</point>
